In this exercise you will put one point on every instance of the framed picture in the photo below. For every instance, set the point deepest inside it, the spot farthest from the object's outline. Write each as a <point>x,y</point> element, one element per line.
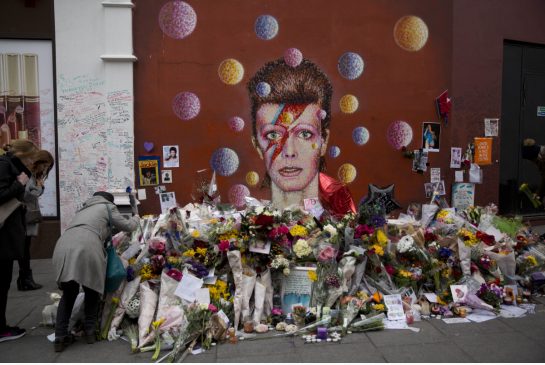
<point>259,246</point>
<point>166,176</point>
<point>148,170</point>
<point>431,136</point>
<point>27,102</point>
<point>296,288</point>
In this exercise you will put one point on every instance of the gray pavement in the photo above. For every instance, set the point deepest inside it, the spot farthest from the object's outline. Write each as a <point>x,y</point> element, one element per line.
<point>498,340</point>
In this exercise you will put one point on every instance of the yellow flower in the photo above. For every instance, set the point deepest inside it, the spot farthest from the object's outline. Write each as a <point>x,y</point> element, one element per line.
<point>362,295</point>
<point>405,273</point>
<point>115,300</point>
<point>146,272</point>
<point>380,237</point>
<point>132,260</point>
<point>378,307</point>
<point>443,214</point>
<point>298,231</point>
<point>195,233</point>
<point>189,253</point>
<point>531,260</point>
<point>312,275</point>
<point>158,323</point>
<point>201,251</point>
<point>173,260</point>
<point>213,221</point>
<point>378,249</point>
<point>468,237</point>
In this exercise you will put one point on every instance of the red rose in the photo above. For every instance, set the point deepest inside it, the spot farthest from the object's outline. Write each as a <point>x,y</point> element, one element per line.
<point>486,238</point>
<point>264,220</point>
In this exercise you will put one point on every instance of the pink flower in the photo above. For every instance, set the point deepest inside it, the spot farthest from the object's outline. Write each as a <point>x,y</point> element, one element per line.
<point>175,274</point>
<point>276,311</point>
<point>326,254</point>
<point>212,308</point>
<point>390,269</point>
<point>283,229</point>
<point>224,245</point>
<point>157,246</point>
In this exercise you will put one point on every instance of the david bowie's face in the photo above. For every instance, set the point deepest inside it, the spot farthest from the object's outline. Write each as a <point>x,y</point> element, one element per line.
<point>289,138</point>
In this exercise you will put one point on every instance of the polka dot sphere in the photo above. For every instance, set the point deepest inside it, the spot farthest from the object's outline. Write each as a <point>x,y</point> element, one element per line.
<point>349,104</point>
<point>321,114</point>
<point>236,124</point>
<point>224,161</point>
<point>350,65</point>
<point>252,178</point>
<point>334,151</point>
<point>293,57</point>
<point>347,173</point>
<point>237,193</point>
<point>263,89</point>
<point>177,19</point>
<point>186,105</point>
<point>411,33</point>
<point>266,27</point>
<point>231,71</point>
<point>360,135</point>
<point>399,134</point>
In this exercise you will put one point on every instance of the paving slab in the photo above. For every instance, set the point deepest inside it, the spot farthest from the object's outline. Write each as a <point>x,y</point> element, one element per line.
<point>438,352</point>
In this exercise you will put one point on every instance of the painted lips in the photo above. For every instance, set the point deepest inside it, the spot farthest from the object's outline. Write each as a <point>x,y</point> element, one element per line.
<point>290,171</point>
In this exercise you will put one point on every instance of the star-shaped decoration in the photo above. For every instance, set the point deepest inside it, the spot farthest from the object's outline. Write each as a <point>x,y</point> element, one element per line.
<point>382,196</point>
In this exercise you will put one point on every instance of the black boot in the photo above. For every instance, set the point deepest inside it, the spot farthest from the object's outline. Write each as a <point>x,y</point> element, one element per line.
<point>26,281</point>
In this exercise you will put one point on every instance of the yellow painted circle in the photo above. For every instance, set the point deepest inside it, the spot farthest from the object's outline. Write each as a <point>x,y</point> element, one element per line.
<point>231,71</point>
<point>252,178</point>
<point>347,173</point>
<point>411,33</point>
<point>349,104</point>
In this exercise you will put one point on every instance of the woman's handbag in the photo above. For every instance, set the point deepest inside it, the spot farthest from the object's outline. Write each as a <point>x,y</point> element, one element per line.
<point>115,271</point>
<point>7,209</point>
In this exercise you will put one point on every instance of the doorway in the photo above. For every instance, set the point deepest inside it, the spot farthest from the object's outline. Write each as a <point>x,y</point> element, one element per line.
<point>523,116</point>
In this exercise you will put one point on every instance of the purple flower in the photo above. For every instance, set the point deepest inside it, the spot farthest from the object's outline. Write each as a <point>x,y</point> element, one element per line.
<point>130,273</point>
<point>198,269</point>
<point>445,252</point>
<point>333,281</point>
<point>378,220</point>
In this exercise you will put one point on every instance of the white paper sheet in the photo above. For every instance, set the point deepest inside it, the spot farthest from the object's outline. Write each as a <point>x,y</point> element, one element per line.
<point>456,320</point>
<point>459,176</point>
<point>431,297</point>
<point>188,287</point>
<point>203,296</point>
<point>141,194</point>
<point>510,311</point>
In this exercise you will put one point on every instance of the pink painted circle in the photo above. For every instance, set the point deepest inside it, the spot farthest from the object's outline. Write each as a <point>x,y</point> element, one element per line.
<point>237,193</point>
<point>236,124</point>
<point>177,19</point>
<point>293,57</point>
<point>186,105</point>
<point>399,134</point>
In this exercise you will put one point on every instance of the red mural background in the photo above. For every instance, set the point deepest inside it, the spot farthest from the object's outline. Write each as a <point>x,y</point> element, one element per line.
<point>395,85</point>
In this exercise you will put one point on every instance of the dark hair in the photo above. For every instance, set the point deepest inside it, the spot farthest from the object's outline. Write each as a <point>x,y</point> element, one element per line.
<point>303,84</point>
<point>42,157</point>
<point>173,149</point>
<point>109,197</point>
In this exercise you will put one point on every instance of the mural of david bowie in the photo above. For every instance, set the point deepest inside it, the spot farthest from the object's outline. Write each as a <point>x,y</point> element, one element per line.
<point>290,131</point>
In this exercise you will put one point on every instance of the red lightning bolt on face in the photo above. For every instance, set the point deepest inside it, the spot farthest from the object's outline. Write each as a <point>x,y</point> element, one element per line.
<point>295,110</point>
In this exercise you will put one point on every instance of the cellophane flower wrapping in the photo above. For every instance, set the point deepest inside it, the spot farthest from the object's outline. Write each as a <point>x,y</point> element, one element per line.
<point>148,303</point>
<point>266,280</point>
<point>507,265</point>
<point>259,301</point>
<point>236,267</point>
<point>347,265</point>
<point>248,285</point>
<point>129,290</point>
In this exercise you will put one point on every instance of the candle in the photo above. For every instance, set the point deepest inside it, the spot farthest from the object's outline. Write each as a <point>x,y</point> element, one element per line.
<point>322,333</point>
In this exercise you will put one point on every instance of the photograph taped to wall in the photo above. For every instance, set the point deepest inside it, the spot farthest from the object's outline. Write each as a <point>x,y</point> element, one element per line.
<point>171,157</point>
<point>166,176</point>
<point>148,170</point>
<point>27,103</point>
<point>491,127</point>
<point>420,160</point>
<point>431,187</point>
<point>431,136</point>
<point>168,200</point>
<point>455,157</point>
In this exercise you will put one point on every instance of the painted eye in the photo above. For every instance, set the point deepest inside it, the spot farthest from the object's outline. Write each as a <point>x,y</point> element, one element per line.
<point>306,134</point>
<point>273,136</point>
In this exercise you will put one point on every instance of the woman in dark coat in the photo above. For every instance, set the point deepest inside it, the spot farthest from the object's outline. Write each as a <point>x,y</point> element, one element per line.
<point>14,175</point>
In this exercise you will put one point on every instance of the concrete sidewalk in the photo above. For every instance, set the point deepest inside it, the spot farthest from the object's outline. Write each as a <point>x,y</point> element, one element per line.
<point>498,340</point>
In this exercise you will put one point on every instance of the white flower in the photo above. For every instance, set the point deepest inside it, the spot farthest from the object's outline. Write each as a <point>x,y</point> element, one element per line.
<point>405,244</point>
<point>203,306</point>
<point>259,210</point>
<point>331,230</point>
<point>301,248</point>
<point>286,271</point>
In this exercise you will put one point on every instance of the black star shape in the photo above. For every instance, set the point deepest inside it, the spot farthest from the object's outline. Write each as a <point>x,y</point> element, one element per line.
<point>382,196</point>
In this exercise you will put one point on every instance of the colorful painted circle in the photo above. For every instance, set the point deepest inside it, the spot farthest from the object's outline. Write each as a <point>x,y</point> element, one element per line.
<point>293,57</point>
<point>186,105</point>
<point>347,173</point>
<point>350,65</point>
<point>236,124</point>
<point>231,71</point>
<point>263,89</point>
<point>224,161</point>
<point>252,178</point>
<point>334,151</point>
<point>349,104</point>
<point>237,193</point>
<point>360,135</point>
<point>177,19</point>
<point>411,33</point>
<point>321,114</point>
<point>399,134</point>
<point>266,27</point>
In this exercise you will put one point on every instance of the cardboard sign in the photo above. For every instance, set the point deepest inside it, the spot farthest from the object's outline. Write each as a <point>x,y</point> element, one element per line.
<point>463,195</point>
<point>483,151</point>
